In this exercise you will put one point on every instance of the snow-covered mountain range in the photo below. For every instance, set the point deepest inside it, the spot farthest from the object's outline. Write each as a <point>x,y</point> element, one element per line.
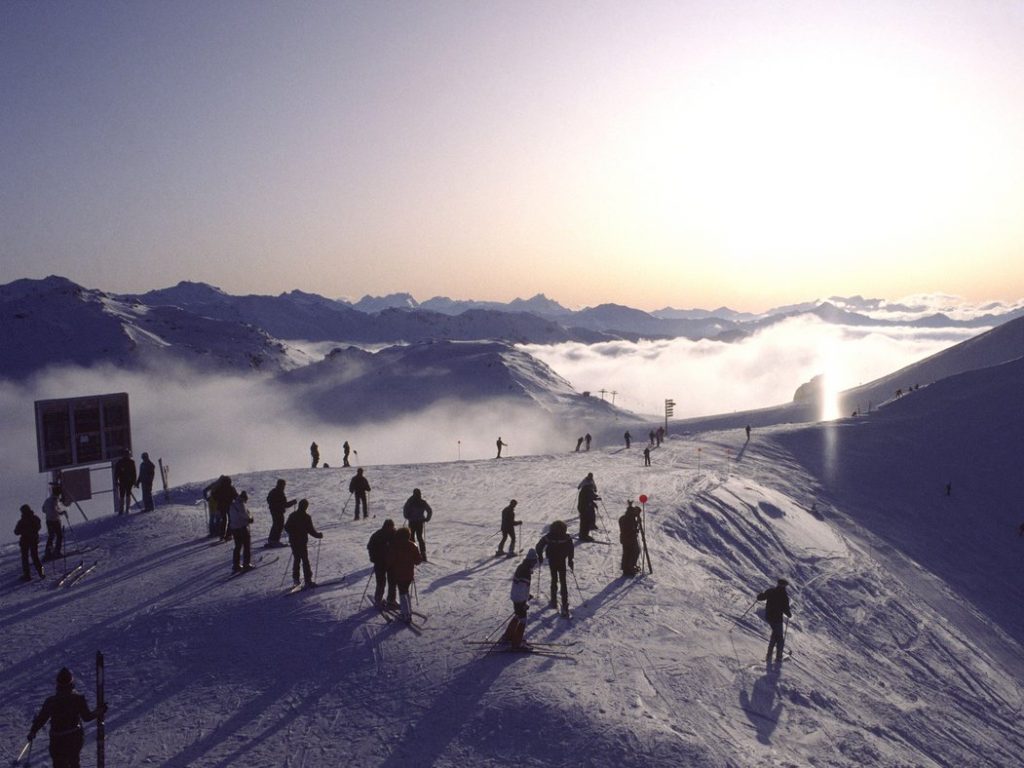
<point>54,321</point>
<point>897,529</point>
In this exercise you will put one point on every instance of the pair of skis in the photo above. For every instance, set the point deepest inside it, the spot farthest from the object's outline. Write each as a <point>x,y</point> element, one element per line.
<point>76,574</point>
<point>557,650</point>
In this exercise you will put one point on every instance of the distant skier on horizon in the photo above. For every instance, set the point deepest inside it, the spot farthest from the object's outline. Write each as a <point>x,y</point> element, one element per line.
<point>587,438</point>
<point>499,443</point>
<point>314,453</point>
<point>627,438</point>
<point>579,442</point>
<point>647,455</point>
<point>345,450</point>
<point>776,606</point>
<point>748,428</point>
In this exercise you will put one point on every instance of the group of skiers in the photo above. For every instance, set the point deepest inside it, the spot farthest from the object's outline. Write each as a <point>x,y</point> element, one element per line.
<point>127,477</point>
<point>314,455</point>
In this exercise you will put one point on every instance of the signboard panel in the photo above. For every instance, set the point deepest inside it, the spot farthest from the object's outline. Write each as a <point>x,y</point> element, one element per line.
<point>79,431</point>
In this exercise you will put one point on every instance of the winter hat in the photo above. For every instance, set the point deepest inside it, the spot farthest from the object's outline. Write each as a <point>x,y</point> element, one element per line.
<point>783,583</point>
<point>64,678</point>
<point>531,556</point>
<point>26,509</point>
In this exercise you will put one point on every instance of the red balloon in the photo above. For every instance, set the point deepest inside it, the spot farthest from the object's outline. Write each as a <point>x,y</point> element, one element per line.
<point>643,498</point>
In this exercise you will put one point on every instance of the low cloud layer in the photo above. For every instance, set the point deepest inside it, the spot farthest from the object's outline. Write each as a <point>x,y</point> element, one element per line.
<point>708,377</point>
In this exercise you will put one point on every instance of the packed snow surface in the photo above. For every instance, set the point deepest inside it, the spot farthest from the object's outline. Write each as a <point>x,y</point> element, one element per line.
<point>896,658</point>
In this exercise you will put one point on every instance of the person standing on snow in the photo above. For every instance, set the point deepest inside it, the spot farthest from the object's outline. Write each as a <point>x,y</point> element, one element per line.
<point>627,438</point>
<point>403,557</point>
<point>629,537</point>
<point>586,505</point>
<point>278,504</point>
<point>314,454</point>
<point>776,606</point>
<point>500,444</point>
<point>147,474</point>
<point>124,479</point>
<point>378,548</point>
<point>418,512</point>
<point>557,545</point>
<point>65,711</point>
<point>239,520</point>
<point>515,632</point>
<point>27,531</point>
<point>647,456</point>
<point>587,438</point>
<point>223,495</point>
<point>508,529</point>
<point>345,450</point>
<point>52,511</point>
<point>579,442</point>
<point>358,486</point>
<point>299,528</point>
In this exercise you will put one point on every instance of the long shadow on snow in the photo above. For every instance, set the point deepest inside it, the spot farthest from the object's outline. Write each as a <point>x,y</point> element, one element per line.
<point>762,705</point>
<point>465,573</point>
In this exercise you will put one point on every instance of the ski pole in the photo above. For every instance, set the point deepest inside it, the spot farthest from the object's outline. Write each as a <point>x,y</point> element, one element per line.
<point>500,625</point>
<point>26,749</point>
<point>785,632</point>
<point>346,503</point>
<point>583,600</point>
<point>367,587</point>
<point>748,609</point>
<point>286,567</point>
<point>415,593</point>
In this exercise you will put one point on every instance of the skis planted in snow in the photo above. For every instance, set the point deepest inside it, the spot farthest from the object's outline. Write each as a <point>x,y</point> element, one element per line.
<point>70,574</point>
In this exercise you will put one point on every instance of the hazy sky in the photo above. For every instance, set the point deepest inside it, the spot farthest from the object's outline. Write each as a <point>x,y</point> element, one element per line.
<point>652,154</point>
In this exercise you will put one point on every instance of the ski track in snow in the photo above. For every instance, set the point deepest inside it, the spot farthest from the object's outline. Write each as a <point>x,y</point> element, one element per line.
<point>203,670</point>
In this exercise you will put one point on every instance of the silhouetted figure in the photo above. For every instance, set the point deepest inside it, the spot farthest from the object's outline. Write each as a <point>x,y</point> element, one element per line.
<point>627,437</point>
<point>647,456</point>
<point>278,504</point>
<point>587,438</point>
<point>299,528</point>
<point>52,511</point>
<point>418,512</point>
<point>403,557</point>
<point>748,432</point>
<point>147,474</point>
<point>500,444</point>
<point>508,529</point>
<point>27,531</point>
<point>776,606</point>
<point>345,450</point>
<point>659,436</point>
<point>359,486</point>
<point>223,495</point>
<point>378,547</point>
<point>651,436</point>
<point>586,505</point>
<point>629,538</point>
<point>65,711</point>
<point>558,546</point>
<point>314,454</point>
<point>579,442</point>
<point>124,479</point>
<point>238,521</point>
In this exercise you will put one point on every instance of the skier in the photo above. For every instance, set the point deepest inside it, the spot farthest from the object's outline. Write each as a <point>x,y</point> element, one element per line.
<point>500,444</point>
<point>647,456</point>
<point>557,545</point>
<point>627,437</point>
<point>579,442</point>
<point>147,473</point>
<point>587,438</point>
<point>403,557</point>
<point>211,505</point>
<point>748,428</point>
<point>345,450</point>
<point>27,531</point>
<point>586,504</point>
<point>299,528</point>
<point>508,529</point>
<point>239,524</point>
<point>629,537</point>
<point>358,486</point>
<point>777,604</point>
<point>659,436</point>
<point>314,453</point>
<point>418,512</point>
<point>124,479</point>
<point>378,547</point>
<point>651,436</point>
<point>65,710</point>
<point>515,632</point>
<point>223,494</point>
<point>278,503</point>
<point>52,511</point>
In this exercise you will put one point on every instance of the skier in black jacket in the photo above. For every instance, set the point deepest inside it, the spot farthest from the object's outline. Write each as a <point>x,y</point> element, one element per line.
<point>629,537</point>
<point>299,528</point>
<point>776,607</point>
<point>124,478</point>
<point>223,494</point>
<point>278,504</point>
<point>378,546</point>
<point>358,486</point>
<point>558,546</point>
<point>508,529</point>
<point>27,531</point>
<point>147,474</point>
<point>418,512</point>
<point>65,710</point>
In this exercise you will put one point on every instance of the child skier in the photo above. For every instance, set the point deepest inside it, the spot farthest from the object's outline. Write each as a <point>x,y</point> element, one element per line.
<point>515,632</point>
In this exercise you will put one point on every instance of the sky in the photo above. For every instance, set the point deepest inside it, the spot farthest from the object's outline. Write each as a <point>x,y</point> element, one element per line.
<point>687,154</point>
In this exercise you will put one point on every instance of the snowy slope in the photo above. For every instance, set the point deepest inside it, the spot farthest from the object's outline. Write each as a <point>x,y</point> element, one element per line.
<point>894,662</point>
